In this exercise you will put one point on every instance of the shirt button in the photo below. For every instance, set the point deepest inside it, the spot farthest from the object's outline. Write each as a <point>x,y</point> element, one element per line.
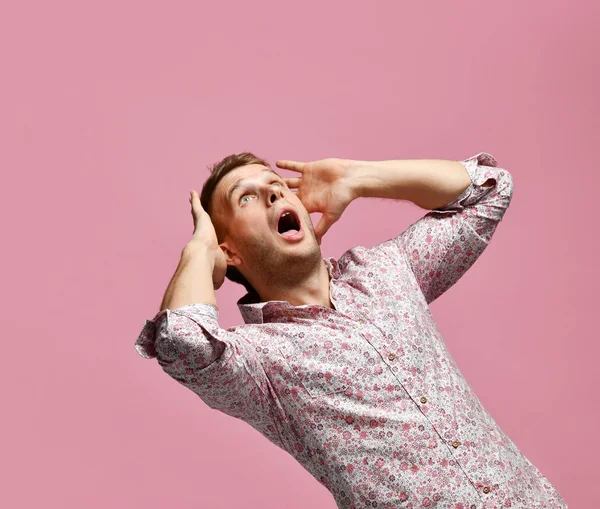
<point>423,399</point>
<point>391,356</point>
<point>486,489</point>
<point>455,444</point>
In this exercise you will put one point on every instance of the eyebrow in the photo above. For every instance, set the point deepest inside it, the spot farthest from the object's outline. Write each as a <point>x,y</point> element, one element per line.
<point>239,183</point>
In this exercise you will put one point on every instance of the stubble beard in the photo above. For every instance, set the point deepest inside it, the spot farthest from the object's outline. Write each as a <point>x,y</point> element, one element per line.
<point>285,269</point>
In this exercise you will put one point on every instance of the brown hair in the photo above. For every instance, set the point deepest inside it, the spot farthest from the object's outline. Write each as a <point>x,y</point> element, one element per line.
<point>217,172</point>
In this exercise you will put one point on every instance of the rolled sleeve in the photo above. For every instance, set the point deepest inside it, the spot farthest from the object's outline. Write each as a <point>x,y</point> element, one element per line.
<point>442,245</point>
<point>221,366</point>
<point>154,332</point>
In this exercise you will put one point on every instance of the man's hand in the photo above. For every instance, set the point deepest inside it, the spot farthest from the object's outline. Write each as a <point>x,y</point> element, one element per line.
<point>205,237</point>
<point>324,186</point>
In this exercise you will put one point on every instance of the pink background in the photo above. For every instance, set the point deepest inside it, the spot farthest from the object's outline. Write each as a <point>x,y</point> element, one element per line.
<point>110,113</point>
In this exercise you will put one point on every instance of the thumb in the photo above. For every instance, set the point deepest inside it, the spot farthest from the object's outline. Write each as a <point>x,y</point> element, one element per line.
<point>323,225</point>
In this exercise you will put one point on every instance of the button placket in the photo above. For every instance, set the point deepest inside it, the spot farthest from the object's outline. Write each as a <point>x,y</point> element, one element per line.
<point>365,327</point>
<point>368,330</point>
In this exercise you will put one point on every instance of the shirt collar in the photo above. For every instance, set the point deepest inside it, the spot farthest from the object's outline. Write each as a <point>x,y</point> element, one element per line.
<point>254,311</point>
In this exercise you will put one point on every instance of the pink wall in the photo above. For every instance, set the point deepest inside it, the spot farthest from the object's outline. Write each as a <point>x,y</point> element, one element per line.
<point>109,115</point>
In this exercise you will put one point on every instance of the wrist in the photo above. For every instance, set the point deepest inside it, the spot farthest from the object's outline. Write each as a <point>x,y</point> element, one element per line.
<point>362,178</point>
<point>197,248</point>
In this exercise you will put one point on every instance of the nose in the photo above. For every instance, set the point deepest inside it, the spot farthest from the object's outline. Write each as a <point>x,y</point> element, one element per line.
<point>274,193</point>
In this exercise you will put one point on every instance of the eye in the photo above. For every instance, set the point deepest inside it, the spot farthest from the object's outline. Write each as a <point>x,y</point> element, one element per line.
<point>243,198</point>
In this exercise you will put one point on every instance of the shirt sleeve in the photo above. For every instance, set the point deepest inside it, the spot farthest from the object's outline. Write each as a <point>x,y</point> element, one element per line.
<point>222,366</point>
<point>442,245</point>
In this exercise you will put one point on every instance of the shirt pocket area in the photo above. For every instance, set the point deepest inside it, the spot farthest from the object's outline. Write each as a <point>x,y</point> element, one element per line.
<point>324,364</point>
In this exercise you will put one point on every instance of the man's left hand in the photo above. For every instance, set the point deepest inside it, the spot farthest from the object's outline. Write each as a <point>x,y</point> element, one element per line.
<point>324,186</point>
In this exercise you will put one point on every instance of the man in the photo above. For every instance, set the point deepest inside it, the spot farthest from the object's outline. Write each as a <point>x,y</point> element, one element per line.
<point>339,362</point>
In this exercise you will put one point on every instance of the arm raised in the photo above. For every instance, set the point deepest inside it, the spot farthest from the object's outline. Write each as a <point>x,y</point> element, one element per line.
<point>443,244</point>
<point>202,266</point>
<point>220,365</point>
<point>428,183</point>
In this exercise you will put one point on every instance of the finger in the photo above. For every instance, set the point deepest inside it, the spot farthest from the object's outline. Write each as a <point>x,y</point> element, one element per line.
<point>290,165</point>
<point>292,182</point>
<point>197,209</point>
<point>323,225</point>
<point>195,199</point>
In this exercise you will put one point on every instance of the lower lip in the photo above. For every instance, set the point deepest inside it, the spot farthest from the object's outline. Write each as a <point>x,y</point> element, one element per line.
<point>292,236</point>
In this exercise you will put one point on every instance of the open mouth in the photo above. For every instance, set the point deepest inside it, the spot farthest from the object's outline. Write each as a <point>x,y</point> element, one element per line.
<point>288,226</point>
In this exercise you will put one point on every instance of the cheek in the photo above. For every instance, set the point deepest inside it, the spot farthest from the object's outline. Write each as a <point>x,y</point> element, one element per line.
<point>251,224</point>
<point>294,200</point>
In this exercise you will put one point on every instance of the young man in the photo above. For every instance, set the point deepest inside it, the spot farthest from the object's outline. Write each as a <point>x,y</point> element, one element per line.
<point>340,362</point>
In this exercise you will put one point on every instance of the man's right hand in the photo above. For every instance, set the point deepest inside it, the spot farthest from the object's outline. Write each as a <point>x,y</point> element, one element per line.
<point>205,236</point>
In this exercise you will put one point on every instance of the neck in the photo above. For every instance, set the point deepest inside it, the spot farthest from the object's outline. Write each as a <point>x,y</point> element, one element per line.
<point>313,289</point>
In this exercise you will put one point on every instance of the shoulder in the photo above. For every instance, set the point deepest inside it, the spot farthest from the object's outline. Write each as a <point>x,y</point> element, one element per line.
<point>383,254</point>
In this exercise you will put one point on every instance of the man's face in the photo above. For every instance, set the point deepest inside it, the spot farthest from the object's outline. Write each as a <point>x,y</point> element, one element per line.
<point>268,232</point>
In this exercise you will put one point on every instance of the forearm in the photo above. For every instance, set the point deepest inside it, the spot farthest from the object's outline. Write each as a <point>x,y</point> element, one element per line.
<point>192,282</point>
<point>429,183</point>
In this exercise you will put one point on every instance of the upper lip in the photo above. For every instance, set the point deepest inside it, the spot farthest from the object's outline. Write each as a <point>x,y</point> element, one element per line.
<point>282,211</point>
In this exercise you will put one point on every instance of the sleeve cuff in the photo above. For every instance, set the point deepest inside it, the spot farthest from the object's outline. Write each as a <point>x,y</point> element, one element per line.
<point>478,176</point>
<point>145,344</point>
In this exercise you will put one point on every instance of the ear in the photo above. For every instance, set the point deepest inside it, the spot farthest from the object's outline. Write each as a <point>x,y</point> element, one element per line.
<point>231,255</point>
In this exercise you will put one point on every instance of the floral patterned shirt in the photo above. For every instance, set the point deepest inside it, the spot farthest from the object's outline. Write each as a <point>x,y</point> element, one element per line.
<point>366,396</point>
